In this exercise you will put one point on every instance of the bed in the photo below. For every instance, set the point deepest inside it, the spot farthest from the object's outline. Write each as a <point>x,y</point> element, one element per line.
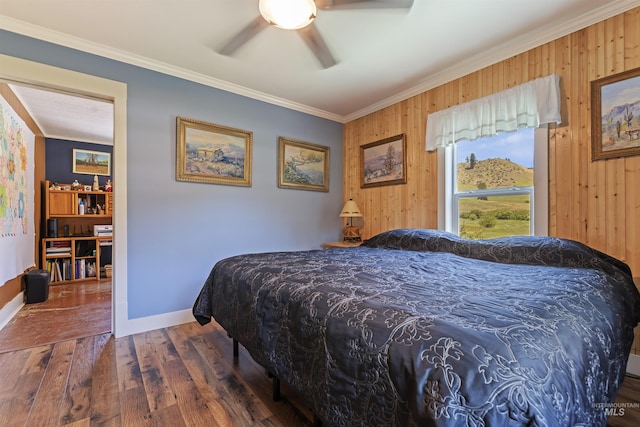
<point>422,328</point>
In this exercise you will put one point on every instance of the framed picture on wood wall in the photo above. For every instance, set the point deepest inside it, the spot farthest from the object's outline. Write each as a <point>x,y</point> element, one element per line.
<point>615,115</point>
<point>91,162</point>
<point>384,162</point>
<point>302,165</point>
<point>210,153</point>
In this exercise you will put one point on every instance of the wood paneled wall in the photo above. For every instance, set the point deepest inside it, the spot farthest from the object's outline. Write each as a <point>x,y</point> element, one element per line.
<point>597,203</point>
<point>10,289</point>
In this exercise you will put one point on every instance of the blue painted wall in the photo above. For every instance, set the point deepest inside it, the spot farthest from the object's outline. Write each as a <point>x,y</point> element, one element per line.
<point>59,163</point>
<point>178,230</point>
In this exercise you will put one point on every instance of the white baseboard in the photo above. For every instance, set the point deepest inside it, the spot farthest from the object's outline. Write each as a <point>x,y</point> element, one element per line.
<point>10,309</point>
<point>633,365</point>
<point>144,324</point>
<point>125,326</point>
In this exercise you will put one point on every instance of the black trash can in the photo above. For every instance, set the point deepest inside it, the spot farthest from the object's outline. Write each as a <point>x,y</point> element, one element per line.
<point>36,286</point>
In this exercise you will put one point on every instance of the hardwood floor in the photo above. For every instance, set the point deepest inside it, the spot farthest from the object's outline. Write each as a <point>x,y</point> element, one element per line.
<point>626,413</point>
<point>72,310</point>
<point>179,376</point>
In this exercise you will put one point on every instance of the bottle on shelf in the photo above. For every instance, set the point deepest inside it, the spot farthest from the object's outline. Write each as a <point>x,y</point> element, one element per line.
<point>81,207</point>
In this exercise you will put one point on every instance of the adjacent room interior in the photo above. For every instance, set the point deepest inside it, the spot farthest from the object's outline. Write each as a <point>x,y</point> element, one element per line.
<point>76,225</point>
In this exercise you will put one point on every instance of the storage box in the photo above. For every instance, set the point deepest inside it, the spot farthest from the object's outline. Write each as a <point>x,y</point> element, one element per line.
<point>108,270</point>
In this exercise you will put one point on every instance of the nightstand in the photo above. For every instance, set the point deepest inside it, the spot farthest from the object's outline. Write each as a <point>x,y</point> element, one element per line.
<point>328,245</point>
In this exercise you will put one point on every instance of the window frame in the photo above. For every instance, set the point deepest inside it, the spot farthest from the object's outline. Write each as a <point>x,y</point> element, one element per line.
<point>539,193</point>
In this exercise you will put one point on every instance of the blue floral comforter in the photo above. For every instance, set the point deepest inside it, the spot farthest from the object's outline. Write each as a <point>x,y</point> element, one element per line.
<point>424,328</point>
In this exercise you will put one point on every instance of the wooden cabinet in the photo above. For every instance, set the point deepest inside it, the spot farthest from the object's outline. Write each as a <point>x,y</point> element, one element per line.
<point>70,251</point>
<point>64,203</point>
<point>61,203</point>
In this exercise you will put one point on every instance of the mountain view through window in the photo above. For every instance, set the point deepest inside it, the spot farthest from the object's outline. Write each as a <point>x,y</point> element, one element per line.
<point>494,182</point>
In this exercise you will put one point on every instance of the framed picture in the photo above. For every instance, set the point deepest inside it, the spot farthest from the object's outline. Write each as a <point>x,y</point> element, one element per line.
<point>302,165</point>
<point>615,115</point>
<point>384,162</point>
<point>91,162</point>
<point>213,154</point>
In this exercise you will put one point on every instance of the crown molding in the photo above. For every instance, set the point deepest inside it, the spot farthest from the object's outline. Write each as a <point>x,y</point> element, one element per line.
<point>44,34</point>
<point>499,53</point>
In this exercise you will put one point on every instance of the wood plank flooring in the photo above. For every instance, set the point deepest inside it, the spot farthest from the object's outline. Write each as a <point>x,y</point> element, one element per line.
<point>179,376</point>
<point>72,310</point>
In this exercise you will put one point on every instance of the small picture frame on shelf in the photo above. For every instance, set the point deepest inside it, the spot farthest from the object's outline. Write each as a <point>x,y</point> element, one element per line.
<point>87,188</point>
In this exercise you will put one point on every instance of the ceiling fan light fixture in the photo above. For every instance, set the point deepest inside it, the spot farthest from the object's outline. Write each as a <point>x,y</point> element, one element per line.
<point>288,14</point>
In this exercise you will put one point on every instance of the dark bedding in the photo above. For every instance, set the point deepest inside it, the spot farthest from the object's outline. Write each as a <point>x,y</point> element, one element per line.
<point>421,327</point>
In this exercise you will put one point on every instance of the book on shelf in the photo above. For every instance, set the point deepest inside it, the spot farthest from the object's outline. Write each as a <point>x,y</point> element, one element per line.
<point>79,269</point>
<point>85,268</point>
<point>59,247</point>
<point>59,270</point>
<point>56,272</point>
<point>66,270</point>
<point>58,251</point>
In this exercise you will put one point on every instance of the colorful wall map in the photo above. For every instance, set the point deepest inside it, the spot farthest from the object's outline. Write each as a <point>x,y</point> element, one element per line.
<point>16,194</point>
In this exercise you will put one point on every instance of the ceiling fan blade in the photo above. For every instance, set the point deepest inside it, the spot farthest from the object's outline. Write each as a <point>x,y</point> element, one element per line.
<point>246,34</point>
<point>364,4</point>
<point>314,40</point>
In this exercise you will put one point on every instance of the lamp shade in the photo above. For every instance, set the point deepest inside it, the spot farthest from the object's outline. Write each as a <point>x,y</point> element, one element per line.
<point>288,14</point>
<point>350,210</point>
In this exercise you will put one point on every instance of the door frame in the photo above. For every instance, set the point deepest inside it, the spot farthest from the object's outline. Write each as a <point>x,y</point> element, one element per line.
<point>20,71</point>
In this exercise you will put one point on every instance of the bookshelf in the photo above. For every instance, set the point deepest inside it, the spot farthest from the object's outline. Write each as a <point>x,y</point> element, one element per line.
<point>72,259</point>
<point>71,251</point>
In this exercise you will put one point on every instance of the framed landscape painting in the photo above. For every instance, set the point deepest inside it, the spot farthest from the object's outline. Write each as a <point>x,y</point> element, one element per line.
<point>302,165</point>
<point>384,162</point>
<point>210,153</point>
<point>615,115</point>
<point>91,162</point>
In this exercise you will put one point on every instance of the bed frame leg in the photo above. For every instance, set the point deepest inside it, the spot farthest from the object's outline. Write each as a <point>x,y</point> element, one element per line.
<point>235,349</point>
<point>275,388</point>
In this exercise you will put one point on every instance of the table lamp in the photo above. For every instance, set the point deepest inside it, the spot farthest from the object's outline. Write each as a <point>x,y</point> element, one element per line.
<point>350,210</point>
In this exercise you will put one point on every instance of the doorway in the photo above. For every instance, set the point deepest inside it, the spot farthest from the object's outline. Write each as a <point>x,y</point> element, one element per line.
<point>18,71</point>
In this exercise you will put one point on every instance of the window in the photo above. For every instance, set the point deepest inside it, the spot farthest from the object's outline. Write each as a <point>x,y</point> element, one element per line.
<point>496,186</point>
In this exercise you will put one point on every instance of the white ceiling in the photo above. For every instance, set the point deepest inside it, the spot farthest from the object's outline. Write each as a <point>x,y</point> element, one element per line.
<point>63,116</point>
<point>383,55</point>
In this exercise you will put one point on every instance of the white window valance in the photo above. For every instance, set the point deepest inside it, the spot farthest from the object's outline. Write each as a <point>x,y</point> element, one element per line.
<point>528,105</point>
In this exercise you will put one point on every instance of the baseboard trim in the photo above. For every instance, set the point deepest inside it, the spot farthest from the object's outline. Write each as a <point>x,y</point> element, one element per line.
<point>10,309</point>
<point>145,324</point>
<point>633,365</point>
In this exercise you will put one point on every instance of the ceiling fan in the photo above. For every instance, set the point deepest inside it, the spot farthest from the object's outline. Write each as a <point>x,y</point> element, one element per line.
<point>299,15</point>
